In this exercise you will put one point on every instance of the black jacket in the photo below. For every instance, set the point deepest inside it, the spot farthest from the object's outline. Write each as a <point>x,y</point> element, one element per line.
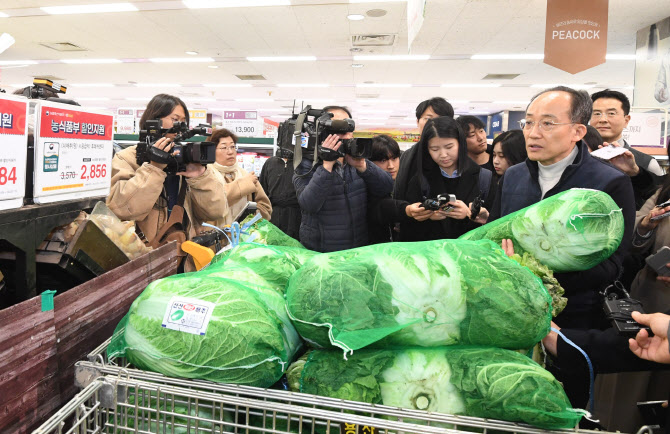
<point>520,188</point>
<point>646,182</point>
<point>277,182</point>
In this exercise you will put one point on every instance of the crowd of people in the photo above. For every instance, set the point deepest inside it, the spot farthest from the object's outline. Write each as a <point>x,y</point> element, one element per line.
<point>351,202</point>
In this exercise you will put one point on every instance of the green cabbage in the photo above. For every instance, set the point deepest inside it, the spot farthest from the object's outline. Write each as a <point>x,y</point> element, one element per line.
<point>572,231</point>
<point>249,339</point>
<point>558,302</point>
<point>472,381</point>
<point>264,232</point>
<point>431,293</point>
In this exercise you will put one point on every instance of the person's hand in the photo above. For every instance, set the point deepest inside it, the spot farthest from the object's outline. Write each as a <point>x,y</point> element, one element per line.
<point>251,177</point>
<point>193,170</point>
<point>439,215</point>
<point>417,212</point>
<point>655,348</point>
<point>164,144</point>
<point>664,279</point>
<point>459,211</point>
<point>357,163</point>
<point>550,341</point>
<point>646,224</point>
<point>331,142</point>
<point>626,163</point>
<point>482,217</point>
<point>508,247</point>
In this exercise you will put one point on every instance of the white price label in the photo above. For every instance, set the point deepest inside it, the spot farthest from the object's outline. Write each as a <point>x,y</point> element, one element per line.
<point>188,315</point>
<point>13,150</point>
<point>73,152</point>
<point>242,123</point>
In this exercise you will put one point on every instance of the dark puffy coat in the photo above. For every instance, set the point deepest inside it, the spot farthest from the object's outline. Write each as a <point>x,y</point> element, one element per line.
<point>520,188</point>
<point>334,204</point>
<point>277,182</point>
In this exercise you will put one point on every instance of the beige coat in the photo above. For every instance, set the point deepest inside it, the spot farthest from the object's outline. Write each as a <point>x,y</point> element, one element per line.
<point>239,191</point>
<point>136,195</point>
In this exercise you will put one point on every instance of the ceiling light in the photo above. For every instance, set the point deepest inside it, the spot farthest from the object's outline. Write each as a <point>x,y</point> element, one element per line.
<point>458,101</point>
<point>254,99</point>
<point>3,15</point>
<point>89,9</point>
<point>472,85</point>
<point>507,57</point>
<point>381,101</point>
<point>6,41</point>
<point>91,85</point>
<point>17,62</point>
<point>393,57</point>
<point>356,65</point>
<point>355,17</point>
<point>95,98</point>
<point>620,56</point>
<point>282,59</point>
<point>227,85</point>
<point>158,85</point>
<point>207,4</point>
<point>573,86</point>
<point>90,61</point>
<point>382,85</point>
<point>213,66</point>
<point>192,53</point>
<point>180,59</point>
<point>302,85</point>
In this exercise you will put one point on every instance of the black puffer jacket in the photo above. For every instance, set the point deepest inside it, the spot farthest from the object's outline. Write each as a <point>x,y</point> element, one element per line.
<point>334,204</point>
<point>277,182</point>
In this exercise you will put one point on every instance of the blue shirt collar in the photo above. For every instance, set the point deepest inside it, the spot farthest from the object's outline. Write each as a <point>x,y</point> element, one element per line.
<point>446,175</point>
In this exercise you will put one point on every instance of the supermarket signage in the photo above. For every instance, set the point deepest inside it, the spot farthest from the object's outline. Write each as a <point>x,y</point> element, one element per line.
<point>242,123</point>
<point>644,129</point>
<point>125,121</point>
<point>197,117</point>
<point>576,34</point>
<point>188,315</point>
<point>353,428</point>
<point>13,150</point>
<point>73,152</point>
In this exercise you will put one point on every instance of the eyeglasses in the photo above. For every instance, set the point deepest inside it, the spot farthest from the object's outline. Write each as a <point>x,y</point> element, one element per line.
<point>544,126</point>
<point>227,148</point>
<point>600,115</point>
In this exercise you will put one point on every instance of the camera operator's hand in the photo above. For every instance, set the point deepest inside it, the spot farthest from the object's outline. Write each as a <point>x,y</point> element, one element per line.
<point>459,211</point>
<point>193,170</point>
<point>164,144</point>
<point>653,348</point>
<point>417,212</point>
<point>439,215</point>
<point>646,225</point>
<point>482,217</point>
<point>331,142</point>
<point>357,163</point>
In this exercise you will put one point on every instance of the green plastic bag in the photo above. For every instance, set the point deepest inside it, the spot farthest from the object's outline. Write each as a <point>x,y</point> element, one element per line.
<point>571,231</point>
<point>208,328</point>
<point>430,293</point>
<point>473,381</point>
<point>257,264</point>
<point>264,232</point>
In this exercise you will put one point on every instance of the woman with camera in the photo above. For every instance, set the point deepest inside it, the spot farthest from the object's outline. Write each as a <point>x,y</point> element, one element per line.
<point>442,167</point>
<point>241,186</point>
<point>147,194</point>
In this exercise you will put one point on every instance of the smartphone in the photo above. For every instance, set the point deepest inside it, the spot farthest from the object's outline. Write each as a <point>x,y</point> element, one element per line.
<point>447,208</point>
<point>659,260</point>
<point>660,216</point>
<point>653,412</point>
<point>250,208</point>
<point>663,205</point>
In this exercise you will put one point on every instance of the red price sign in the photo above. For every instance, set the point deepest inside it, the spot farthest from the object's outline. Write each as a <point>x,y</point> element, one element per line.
<point>93,171</point>
<point>7,175</point>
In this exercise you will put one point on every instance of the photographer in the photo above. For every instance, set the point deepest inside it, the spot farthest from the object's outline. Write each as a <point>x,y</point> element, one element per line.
<point>333,195</point>
<point>147,194</point>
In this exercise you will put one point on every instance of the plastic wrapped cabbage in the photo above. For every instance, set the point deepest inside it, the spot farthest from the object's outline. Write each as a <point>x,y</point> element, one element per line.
<point>430,293</point>
<point>473,381</point>
<point>572,231</point>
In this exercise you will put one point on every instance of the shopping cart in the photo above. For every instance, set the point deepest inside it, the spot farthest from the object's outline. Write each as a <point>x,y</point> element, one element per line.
<point>118,398</point>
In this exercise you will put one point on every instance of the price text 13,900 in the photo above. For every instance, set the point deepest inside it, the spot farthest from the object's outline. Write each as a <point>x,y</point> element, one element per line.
<point>245,129</point>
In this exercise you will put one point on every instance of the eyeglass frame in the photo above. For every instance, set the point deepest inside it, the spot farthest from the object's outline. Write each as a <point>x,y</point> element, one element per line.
<point>604,115</point>
<point>523,123</point>
<point>227,148</point>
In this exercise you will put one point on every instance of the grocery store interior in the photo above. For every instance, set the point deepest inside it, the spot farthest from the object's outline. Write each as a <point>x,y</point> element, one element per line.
<point>89,288</point>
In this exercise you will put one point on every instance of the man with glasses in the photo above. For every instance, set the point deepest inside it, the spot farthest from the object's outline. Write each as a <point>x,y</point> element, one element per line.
<point>610,116</point>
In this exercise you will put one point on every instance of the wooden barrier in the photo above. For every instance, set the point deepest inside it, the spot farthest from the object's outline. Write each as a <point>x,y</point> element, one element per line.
<point>38,349</point>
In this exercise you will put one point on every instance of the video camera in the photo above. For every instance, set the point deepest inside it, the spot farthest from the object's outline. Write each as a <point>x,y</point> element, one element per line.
<point>43,88</point>
<point>440,202</point>
<point>182,153</point>
<point>303,134</point>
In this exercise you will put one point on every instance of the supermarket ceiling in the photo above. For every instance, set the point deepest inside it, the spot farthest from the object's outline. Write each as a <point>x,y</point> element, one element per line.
<point>146,50</point>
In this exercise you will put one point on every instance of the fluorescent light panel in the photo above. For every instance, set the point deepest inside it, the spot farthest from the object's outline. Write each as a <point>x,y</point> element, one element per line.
<point>393,57</point>
<point>573,86</point>
<point>454,85</point>
<point>282,59</point>
<point>90,61</point>
<point>507,57</point>
<point>3,15</point>
<point>227,85</point>
<point>158,85</point>
<point>379,101</point>
<point>89,9</point>
<point>181,60</point>
<point>383,85</point>
<point>303,85</point>
<point>17,62</point>
<point>210,4</point>
<point>254,99</point>
<point>91,85</point>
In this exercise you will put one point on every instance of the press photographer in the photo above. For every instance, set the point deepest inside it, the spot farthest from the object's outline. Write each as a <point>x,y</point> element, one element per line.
<point>172,195</point>
<point>333,180</point>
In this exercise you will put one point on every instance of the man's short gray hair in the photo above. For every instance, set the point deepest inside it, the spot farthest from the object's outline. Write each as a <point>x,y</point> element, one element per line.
<point>581,105</point>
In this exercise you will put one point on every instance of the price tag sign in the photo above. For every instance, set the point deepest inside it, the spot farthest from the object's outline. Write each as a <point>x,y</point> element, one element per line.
<point>73,152</point>
<point>125,121</point>
<point>242,123</point>
<point>13,149</point>
<point>188,315</point>
<point>197,117</point>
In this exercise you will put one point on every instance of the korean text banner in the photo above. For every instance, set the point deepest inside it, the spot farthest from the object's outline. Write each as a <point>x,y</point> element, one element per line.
<point>71,124</point>
<point>576,34</point>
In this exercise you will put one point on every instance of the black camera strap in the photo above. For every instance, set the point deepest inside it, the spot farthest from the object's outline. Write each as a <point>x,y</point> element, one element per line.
<point>297,139</point>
